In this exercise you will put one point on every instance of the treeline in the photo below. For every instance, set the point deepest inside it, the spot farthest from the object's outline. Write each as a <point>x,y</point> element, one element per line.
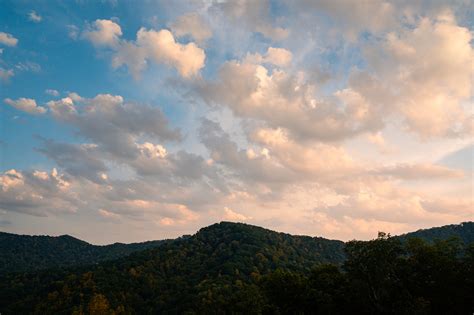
<point>23,253</point>
<point>234,269</point>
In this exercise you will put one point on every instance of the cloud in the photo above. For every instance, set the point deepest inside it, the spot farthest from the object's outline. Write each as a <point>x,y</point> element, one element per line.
<point>35,193</point>
<point>421,171</point>
<point>290,129</point>
<point>353,17</point>
<point>109,121</point>
<point>243,165</point>
<point>276,56</point>
<point>254,15</point>
<point>108,215</point>
<point>315,160</point>
<point>78,160</point>
<point>150,45</point>
<point>73,31</point>
<point>34,17</point>
<point>8,39</point>
<point>281,100</point>
<point>231,215</point>
<point>28,66</point>
<point>104,33</point>
<point>423,74</point>
<point>52,92</point>
<point>382,200</point>
<point>27,105</point>
<point>5,74</point>
<point>192,24</point>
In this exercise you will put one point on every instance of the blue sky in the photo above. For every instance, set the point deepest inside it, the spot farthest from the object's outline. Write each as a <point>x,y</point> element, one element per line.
<point>332,118</point>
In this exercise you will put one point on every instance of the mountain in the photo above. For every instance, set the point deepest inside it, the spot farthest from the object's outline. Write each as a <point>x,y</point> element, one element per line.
<point>463,231</point>
<point>242,269</point>
<point>20,253</point>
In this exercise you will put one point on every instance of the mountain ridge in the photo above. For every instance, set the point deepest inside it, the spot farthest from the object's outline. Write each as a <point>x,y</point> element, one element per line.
<point>232,267</point>
<point>22,253</point>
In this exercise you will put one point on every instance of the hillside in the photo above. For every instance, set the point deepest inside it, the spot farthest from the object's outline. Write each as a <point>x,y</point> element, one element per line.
<point>20,253</point>
<point>239,268</point>
<point>463,231</point>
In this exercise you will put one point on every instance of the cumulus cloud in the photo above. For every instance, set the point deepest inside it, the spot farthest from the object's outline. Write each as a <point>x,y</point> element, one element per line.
<point>8,39</point>
<point>78,160</point>
<point>34,17</point>
<point>275,135</point>
<point>280,99</point>
<point>109,121</point>
<point>150,45</point>
<point>36,193</point>
<point>276,56</point>
<point>254,15</point>
<point>307,160</point>
<point>192,24</point>
<point>395,205</point>
<point>104,33</point>
<point>424,74</point>
<point>354,17</point>
<point>27,105</point>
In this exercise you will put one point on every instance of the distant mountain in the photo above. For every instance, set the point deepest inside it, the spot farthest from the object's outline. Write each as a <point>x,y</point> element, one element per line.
<point>223,264</point>
<point>463,231</point>
<point>220,253</point>
<point>20,253</point>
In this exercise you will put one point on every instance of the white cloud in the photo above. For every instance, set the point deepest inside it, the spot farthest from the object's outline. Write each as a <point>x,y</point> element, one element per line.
<point>108,120</point>
<point>150,45</point>
<point>8,39</point>
<point>28,66</point>
<point>192,24</point>
<point>27,105</point>
<point>354,17</point>
<point>276,56</point>
<point>73,31</point>
<point>279,99</point>
<point>34,17</point>
<point>52,92</point>
<point>104,33</point>
<point>231,215</point>
<point>254,15</point>
<point>282,148</point>
<point>28,193</point>
<point>424,74</point>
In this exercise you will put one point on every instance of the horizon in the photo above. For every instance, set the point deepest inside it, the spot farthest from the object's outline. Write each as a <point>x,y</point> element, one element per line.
<point>148,120</point>
<point>236,223</point>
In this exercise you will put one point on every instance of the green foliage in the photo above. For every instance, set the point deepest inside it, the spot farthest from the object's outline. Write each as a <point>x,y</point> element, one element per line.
<point>241,269</point>
<point>20,253</point>
<point>464,232</point>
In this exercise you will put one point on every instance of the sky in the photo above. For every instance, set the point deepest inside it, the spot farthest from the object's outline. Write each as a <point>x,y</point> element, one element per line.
<point>126,121</point>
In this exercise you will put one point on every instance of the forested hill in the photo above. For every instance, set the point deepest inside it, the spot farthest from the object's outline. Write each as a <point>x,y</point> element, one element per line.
<point>233,268</point>
<point>463,231</point>
<point>21,253</point>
